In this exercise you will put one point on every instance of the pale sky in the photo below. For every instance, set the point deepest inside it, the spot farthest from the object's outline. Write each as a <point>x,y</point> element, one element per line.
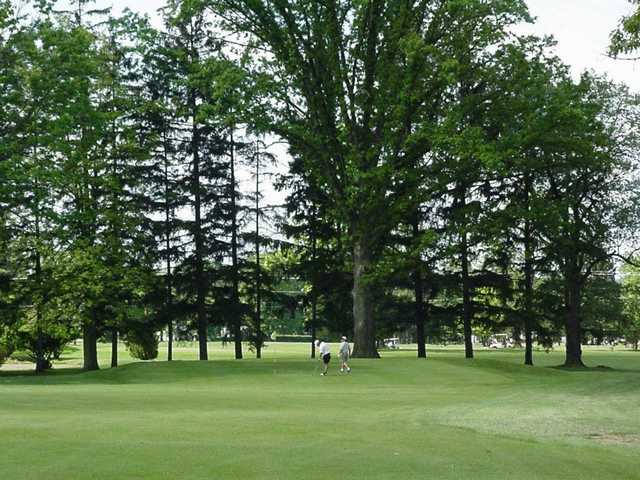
<point>581,28</point>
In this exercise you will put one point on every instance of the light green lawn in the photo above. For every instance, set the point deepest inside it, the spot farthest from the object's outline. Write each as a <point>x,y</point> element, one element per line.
<point>276,418</point>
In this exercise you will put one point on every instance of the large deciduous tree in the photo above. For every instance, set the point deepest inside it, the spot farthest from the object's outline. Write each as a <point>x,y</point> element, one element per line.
<point>590,183</point>
<point>351,82</point>
<point>625,40</point>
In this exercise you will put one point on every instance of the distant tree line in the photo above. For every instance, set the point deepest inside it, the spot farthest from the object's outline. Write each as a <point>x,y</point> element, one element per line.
<point>446,175</point>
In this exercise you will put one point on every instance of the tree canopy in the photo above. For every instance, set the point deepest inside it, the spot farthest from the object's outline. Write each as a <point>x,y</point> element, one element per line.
<point>445,178</point>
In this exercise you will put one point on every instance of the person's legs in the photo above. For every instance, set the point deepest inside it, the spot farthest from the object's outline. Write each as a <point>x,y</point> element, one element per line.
<point>325,363</point>
<point>343,363</point>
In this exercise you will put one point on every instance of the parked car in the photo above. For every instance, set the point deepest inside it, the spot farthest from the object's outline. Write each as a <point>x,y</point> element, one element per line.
<point>500,340</point>
<point>392,343</point>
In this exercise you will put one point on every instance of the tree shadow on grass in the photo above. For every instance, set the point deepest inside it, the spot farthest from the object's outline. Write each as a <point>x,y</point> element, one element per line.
<point>160,372</point>
<point>29,377</point>
<point>508,367</point>
<point>597,368</point>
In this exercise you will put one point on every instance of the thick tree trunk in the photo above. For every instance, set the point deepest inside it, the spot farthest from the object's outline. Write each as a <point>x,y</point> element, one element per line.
<point>313,336</point>
<point>314,296</point>
<point>418,289</point>
<point>237,339</point>
<point>528,340</point>
<point>573,297</point>
<point>199,243</point>
<point>528,348</point>
<point>114,348</point>
<point>258,277</point>
<point>528,274</point>
<point>573,328</point>
<point>170,341</point>
<point>422,349</point>
<point>364,336</point>
<point>201,315</point>
<point>89,345</point>
<point>235,300</point>
<point>169,309</point>
<point>41,362</point>
<point>467,311</point>
<point>528,294</point>
<point>167,220</point>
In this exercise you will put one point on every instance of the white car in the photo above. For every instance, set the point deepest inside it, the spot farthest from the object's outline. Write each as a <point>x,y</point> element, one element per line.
<point>392,343</point>
<point>500,341</point>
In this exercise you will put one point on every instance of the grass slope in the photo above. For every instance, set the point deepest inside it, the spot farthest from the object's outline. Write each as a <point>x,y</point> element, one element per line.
<point>277,419</point>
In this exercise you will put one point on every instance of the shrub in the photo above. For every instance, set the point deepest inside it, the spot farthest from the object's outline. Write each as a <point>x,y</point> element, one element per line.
<point>5,351</point>
<point>44,346</point>
<point>21,356</point>
<point>142,344</point>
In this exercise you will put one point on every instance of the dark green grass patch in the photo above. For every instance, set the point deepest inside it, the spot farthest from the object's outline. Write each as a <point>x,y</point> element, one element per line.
<point>276,418</point>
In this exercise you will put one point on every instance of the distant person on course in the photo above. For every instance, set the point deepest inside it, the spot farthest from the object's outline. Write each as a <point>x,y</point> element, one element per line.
<point>325,355</point>
<point>345,353</point>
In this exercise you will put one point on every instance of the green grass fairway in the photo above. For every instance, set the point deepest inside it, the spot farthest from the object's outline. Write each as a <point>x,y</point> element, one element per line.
<point>276,418</point>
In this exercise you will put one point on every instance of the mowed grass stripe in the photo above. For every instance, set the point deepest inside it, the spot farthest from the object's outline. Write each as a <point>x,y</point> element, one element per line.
<point>397,417</point>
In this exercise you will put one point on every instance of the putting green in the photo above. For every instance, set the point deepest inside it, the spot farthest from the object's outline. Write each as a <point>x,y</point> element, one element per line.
<point>275,418</point>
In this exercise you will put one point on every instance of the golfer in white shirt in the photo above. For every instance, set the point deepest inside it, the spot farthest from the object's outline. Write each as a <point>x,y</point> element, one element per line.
<point>325,355</point>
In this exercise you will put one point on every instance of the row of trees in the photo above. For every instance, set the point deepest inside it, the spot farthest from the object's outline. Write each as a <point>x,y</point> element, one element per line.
<point>450,173</point>
<point>451,154</point>
<point>121,150</point>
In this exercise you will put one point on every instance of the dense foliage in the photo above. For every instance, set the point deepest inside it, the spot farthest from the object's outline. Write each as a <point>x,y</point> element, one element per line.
<point>625,40</point>
<point>142,344</point>
<point>434,190</point>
